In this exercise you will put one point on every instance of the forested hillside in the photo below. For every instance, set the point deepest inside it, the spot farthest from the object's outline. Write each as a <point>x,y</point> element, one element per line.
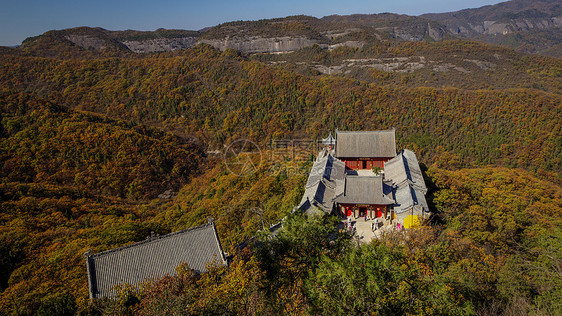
<point>218,97</point>
<point>499,252</point>
<point>448,63</point>
<point>54,145</point>
<point>90,140</point>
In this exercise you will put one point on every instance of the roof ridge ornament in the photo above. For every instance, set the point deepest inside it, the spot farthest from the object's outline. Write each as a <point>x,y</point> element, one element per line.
<point>88,253</point>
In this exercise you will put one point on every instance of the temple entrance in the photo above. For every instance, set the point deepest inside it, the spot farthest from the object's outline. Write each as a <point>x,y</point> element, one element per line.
<point>362,211</point>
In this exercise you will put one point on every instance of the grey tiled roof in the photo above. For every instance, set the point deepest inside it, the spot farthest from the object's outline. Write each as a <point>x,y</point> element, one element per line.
<point>407,197</point>
<point>324,182</point>
<point>153,258</point>
<point>326,167</point>
<point>404,169</point>
<point>365,190</point>
<point>366,144</point>
<point>320,195</point>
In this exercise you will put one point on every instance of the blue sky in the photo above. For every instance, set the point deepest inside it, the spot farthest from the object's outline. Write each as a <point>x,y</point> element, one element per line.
<point>20,19</point>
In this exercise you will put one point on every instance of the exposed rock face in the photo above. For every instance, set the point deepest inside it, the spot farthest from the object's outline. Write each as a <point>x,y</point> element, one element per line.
<point>86,41</point>
<point>396,64</point>
<point>354,44</point>
<point>332,70</point>
<point>251,44</point>
<point>435,33</point>
<point>256,44</point>
<point>502,27</point>
<point>484,65</point>
<point>502,18</point>
<point>446,67</point>
<point>160,44</point>
<point>404,34</point>
<point>415,34</point>
<point>405,65</point>
<point>339,33</point>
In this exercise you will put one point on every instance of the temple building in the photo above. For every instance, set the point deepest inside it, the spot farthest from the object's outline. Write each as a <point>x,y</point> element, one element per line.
<point>324,184</point>
<point>345,180</point>
<point>405,175</point>
<point>365,150</point>
<point>364,196</point>
<point>153,258</point>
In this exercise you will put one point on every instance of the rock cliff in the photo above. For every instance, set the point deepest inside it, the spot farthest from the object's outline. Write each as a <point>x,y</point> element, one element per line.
<point>160,44</point>
<point>256,44</point>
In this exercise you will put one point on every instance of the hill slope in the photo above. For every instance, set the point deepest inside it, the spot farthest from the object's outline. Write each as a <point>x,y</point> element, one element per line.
<point>219,97</point>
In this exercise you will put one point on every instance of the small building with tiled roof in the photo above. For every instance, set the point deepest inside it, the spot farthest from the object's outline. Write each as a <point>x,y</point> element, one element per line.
<point>366,149</point>
<point>153,258</point>
<point>324,182</point>
<point>404,173</point>
<point>405,169</point>
<point>365,196</point>
<point>409,201</point>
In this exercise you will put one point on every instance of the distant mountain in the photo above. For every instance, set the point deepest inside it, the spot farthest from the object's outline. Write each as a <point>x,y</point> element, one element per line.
<point>532,26</point>
<point>503,18</point>
<point>98,39</point>
<point>405,27</point>
<point>385,49</point>
<point>263,36</point>
<point>525,25</point>
<point>159,40</point>
<point>80,41</point>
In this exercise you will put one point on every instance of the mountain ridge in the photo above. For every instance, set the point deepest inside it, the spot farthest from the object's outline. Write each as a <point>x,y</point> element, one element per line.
<point>516,23</point>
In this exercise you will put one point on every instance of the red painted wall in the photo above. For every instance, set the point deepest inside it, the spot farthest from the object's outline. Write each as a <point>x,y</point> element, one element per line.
<point>364,163</point>
<point>375,210</point>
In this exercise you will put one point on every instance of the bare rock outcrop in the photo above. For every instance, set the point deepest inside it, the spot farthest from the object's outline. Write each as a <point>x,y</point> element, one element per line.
<point>257,44</point>
<point>160,44</point>
<point>504,27</point>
